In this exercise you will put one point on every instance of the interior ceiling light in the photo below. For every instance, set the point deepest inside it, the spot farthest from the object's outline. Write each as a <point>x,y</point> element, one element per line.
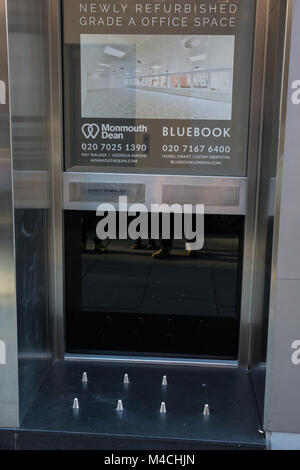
<point>114,52</point>
<point>195,58</point>
<point>155,67</point>
<point>103,65</point>
<point>194,42</point>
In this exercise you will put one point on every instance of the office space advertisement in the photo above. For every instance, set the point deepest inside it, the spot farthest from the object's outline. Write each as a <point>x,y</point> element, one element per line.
<point>158,87</point>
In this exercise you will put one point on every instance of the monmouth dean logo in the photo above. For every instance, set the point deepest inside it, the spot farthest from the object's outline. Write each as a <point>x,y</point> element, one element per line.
<point>90,131</point>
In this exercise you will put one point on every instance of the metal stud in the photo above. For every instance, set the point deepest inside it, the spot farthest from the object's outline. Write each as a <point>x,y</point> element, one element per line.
<point>206,411</point>
<point>163,408</point>
<point>84,378</point>
<point>164,381</point>
<point>120,406</point>
<point>75,404</point>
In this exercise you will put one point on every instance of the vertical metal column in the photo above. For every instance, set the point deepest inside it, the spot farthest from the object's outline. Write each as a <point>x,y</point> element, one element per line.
<point>9,401</point>
<point>282,415</point>
<point>56,218</point>
<point>254,154</point>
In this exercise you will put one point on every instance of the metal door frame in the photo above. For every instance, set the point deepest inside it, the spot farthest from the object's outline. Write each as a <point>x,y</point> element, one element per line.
<point>254,156</point>
<point>57,243</point>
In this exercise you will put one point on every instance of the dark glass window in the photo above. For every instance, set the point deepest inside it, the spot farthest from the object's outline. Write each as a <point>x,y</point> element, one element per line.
<point>119,298</point>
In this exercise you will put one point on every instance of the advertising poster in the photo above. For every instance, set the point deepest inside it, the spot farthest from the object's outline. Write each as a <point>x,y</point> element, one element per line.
<point>158,87</point>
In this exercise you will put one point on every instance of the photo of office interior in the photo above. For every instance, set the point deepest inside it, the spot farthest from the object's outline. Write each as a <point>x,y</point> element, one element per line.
<point>157,77</point>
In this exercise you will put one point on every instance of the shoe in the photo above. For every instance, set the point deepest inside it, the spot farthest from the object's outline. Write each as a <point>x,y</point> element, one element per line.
<point>161,254</point>
<point>89,245</point>
<point>89,241</point>
<point>151,246</point>
<point>100,247</point>
<point>137,245</point>
<point>194,253</point>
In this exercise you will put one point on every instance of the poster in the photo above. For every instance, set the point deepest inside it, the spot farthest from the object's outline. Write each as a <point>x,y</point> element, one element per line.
<point>158,87</point>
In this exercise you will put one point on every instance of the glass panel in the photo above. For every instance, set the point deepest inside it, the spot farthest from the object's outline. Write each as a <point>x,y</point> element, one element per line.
<point>141,76</point>
<point>121,298</point>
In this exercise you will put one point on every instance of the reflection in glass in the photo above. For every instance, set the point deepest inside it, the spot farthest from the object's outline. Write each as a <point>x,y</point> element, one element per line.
<point>122,298</point>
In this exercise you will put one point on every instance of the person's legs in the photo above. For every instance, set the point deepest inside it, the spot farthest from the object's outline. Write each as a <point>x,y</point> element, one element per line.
<point>98,244</point>
<point>88,231</point>
<point>151,245</point>
<point>195,253</point>
<point>137,244</point>
<point>166,244</point>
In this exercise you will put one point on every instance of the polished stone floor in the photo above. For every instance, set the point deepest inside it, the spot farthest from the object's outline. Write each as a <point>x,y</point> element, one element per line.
<point>234,420</point>
<point>142,104</point>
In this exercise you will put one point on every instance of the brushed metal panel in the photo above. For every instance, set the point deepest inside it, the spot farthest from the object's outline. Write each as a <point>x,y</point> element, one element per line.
<point>106,192</point>
<point>29,74</point>
<point>232,189</point>
<point>262,267</point>
<point>283,378</point>
<point>32,189</point>
<point>56,244</point>
<point>226,364</point>
<point>207,195</point>
<point>9,399</point>
<point>254,160</point>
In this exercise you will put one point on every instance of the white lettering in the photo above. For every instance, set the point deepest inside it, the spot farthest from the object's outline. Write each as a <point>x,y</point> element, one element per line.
<point>206,132</point>
<point>2,352</point>
<point>2,92</point>
<point>296,354</point>
<point>296,94</point>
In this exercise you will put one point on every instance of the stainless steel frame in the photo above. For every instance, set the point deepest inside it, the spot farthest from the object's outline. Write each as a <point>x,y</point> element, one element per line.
<point>56,280</point>
<point>30,120</point>
<point>9,397</point>
<point>149,360</point>
<point>230,194</point>
<point>248,187</point>
<point>254,155</point>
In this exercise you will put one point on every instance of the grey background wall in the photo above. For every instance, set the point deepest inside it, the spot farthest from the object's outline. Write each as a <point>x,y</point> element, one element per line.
<point>283,374</point>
